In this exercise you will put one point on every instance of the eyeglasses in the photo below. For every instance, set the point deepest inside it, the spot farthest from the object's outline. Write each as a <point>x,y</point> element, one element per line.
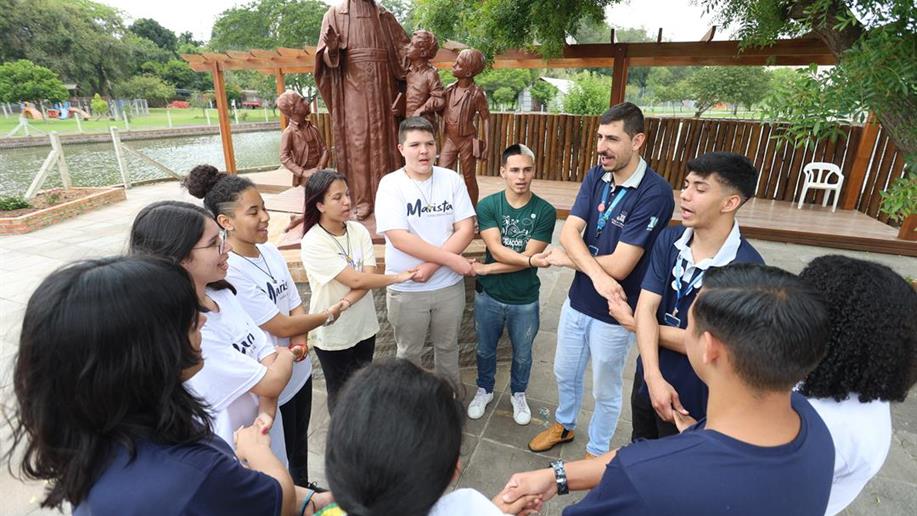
<point>220,244</point>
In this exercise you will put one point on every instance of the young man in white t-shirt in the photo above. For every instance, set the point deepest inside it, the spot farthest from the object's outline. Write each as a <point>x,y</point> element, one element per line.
<point>428,220</point>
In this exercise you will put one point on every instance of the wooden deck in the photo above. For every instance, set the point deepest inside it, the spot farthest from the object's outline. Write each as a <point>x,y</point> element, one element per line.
<point>763,219</point>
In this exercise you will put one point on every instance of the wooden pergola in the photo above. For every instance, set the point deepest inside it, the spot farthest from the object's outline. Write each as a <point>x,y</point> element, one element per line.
<point>617,56</point>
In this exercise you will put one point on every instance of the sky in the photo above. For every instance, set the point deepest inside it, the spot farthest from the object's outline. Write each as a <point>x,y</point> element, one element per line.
<point>680,19</point>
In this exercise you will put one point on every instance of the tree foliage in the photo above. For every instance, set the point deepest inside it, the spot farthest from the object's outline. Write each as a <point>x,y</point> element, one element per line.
<point>153,31</point>
<point>590,95</point>
<point>99,106</point>
<point>23,80</point>
<point>153,89</point>
<point>711,85</point>
<point>543,92</point>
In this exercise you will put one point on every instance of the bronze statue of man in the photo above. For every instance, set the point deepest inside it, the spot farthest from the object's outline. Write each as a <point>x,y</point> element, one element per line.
<point>358,69</point>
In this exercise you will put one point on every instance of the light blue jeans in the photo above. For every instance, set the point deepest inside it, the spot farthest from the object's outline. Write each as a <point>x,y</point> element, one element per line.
<point>521,322</point>
<point>580,337</point>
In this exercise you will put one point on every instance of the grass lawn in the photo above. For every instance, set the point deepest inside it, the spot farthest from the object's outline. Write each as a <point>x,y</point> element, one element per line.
<point>157,119</point>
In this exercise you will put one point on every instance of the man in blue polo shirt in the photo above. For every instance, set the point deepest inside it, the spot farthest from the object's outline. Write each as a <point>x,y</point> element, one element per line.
<point>753,333</point>
<point>717,185</point>
<point>621,207</point>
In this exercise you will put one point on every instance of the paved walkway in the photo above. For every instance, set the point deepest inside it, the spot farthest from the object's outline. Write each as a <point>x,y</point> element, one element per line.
<point>494,446</point>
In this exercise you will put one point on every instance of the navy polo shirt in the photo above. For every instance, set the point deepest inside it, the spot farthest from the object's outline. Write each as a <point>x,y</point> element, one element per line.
<point>193,479</point>
<point>637,219</point>
<point>704,472</point>
<point>675,367</point>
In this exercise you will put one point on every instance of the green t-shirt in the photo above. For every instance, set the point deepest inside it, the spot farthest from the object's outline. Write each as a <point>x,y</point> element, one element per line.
<point>517,226</point>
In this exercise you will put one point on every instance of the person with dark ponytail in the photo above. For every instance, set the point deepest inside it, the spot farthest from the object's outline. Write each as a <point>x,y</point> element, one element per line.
<point>243,374</point>
<point>267,293</point>
<point>338,256</point>
<point>100,409</point>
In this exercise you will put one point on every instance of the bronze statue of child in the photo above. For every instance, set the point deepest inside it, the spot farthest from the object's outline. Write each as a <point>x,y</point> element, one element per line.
<point>302,150</point>
<point>464,100</point>
<point>424,90</point>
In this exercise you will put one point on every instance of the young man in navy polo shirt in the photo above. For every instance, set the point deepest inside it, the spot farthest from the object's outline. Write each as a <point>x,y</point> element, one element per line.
<point>753,333</point>
<point>621,207</point>
<point>717,185</point>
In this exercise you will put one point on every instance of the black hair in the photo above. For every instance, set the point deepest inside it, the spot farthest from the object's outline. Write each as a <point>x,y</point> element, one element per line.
<point>102,350</point>
<point>219,190</point>
<point>316,188</point>
<point>397,436</point>
<point>414,123</point>
<point>774,326</point>
<point>734,170</point>
<point>516,149</point>
<point>626,112</point>
<point>872,349</point>
<point>170,230</point>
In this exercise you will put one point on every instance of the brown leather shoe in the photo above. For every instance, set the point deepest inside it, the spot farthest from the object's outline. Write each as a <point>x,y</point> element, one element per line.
<point>550,438</point>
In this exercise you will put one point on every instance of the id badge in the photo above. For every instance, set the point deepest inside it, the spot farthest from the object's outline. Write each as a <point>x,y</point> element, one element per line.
<point>672,320</point>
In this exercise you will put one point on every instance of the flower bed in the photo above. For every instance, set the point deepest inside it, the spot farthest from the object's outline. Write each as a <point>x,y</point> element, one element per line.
<point>55,206</point>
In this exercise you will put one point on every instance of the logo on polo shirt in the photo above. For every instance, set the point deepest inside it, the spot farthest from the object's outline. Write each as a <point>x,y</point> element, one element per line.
<point>619,220</point>
<point>442,208</point>
<point>652,224</point>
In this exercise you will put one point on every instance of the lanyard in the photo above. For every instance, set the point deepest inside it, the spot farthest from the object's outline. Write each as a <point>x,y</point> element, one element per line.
<point>678,271</point>
<point>604,210</point>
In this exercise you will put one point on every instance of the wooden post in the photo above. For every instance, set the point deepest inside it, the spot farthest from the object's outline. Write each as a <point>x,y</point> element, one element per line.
<point>207,114</point>
<point>854,184</point>
<point>219,90</point>
<point>61,162</point>
<point>281,87</point>
<point>79,124</point>
<point>169,116</point>
<point>119,156</point>
<point>619,74</point>
<point>127,124</point>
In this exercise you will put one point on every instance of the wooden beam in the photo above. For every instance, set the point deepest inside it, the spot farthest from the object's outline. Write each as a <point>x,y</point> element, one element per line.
<point>854,183</point>
<point>708,37</point>
<point>219,91</point>
<point>619,74</point>
<point>281,87</point>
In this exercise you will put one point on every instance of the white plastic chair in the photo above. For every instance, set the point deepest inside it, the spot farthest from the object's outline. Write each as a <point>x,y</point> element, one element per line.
<point>818,177</point>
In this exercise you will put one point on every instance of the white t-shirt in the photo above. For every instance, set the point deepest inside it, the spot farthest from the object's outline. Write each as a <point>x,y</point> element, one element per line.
<point>862,435</point>
<point>232,346</point>
<point>427,209</point>
<point>324,256</point>
<point>465,501</point>
<point>265,288</point>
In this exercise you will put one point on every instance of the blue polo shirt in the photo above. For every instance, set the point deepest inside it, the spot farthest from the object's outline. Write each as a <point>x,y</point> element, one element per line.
<point>703,472</point>
<point>637,219</point>
<point>672,243</point>
<point>199,478</point>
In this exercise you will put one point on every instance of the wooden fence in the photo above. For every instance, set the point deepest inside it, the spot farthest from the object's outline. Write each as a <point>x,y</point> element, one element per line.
<point>564,147</point>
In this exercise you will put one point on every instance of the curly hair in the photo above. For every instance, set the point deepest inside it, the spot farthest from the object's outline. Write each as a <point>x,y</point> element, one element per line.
<point>872,349</point>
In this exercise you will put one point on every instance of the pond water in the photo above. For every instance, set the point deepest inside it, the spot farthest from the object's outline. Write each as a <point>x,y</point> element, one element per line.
<point>94,164</point>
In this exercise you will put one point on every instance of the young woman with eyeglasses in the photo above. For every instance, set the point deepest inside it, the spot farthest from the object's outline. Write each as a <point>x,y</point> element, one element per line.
<point>267,293</point>
<point>243,373</point>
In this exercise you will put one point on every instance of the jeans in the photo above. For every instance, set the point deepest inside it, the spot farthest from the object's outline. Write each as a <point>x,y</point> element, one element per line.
<point>580,337</point>
<point>521,322</point>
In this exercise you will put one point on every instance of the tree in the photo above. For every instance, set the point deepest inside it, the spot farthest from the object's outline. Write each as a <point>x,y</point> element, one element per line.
<point>99,106</point>
<point>511,80</point>
<point>875,43</point>
<point>736,84</point>
<point>403,11</point>
<point>590,95</point>
<point>178,73</point>
<point>153,89</point>
<point>153,31</point>
<point>543,92</point>
<point>504,96</point>
<point>23,80</point>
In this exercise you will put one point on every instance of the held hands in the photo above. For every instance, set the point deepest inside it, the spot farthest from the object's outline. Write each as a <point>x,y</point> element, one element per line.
<point>299,348</point>
<point>480,269</point>
<point>683,422</point>
<point>540,260</point>
<point>608,288</point>
<point>460,265</point>
<point>525,505</point>
<point>250,439</point>
<point>557,257</point>
<point>665,399</point>
<point>539,483</point>
<point>407,275</point>
<point>621,311</point>
<point>424,271</point>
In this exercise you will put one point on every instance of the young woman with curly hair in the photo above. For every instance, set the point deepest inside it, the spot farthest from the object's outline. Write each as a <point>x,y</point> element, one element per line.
<point>871,361</point>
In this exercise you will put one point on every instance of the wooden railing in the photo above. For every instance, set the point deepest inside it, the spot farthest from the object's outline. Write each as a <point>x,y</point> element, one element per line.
<point>564,147</point>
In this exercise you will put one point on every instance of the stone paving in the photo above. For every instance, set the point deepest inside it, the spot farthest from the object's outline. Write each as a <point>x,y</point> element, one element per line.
<point>495,446</point>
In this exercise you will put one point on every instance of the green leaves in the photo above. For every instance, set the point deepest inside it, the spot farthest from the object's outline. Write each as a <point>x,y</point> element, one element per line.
<point>23,80</point>
<point>900,200</point>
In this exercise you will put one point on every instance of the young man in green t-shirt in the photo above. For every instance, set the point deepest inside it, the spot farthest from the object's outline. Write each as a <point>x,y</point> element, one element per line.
<point>516,226</point>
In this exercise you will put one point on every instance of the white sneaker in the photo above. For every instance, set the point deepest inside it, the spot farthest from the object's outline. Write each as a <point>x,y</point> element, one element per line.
<point>479,403</point>
<point>521,412</point>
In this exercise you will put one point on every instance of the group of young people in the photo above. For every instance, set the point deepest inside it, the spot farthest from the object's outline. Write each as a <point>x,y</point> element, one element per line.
<point>150,383</point>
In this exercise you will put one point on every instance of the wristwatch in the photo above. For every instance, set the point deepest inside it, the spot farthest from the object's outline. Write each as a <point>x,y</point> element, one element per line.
<point>560,477</point>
